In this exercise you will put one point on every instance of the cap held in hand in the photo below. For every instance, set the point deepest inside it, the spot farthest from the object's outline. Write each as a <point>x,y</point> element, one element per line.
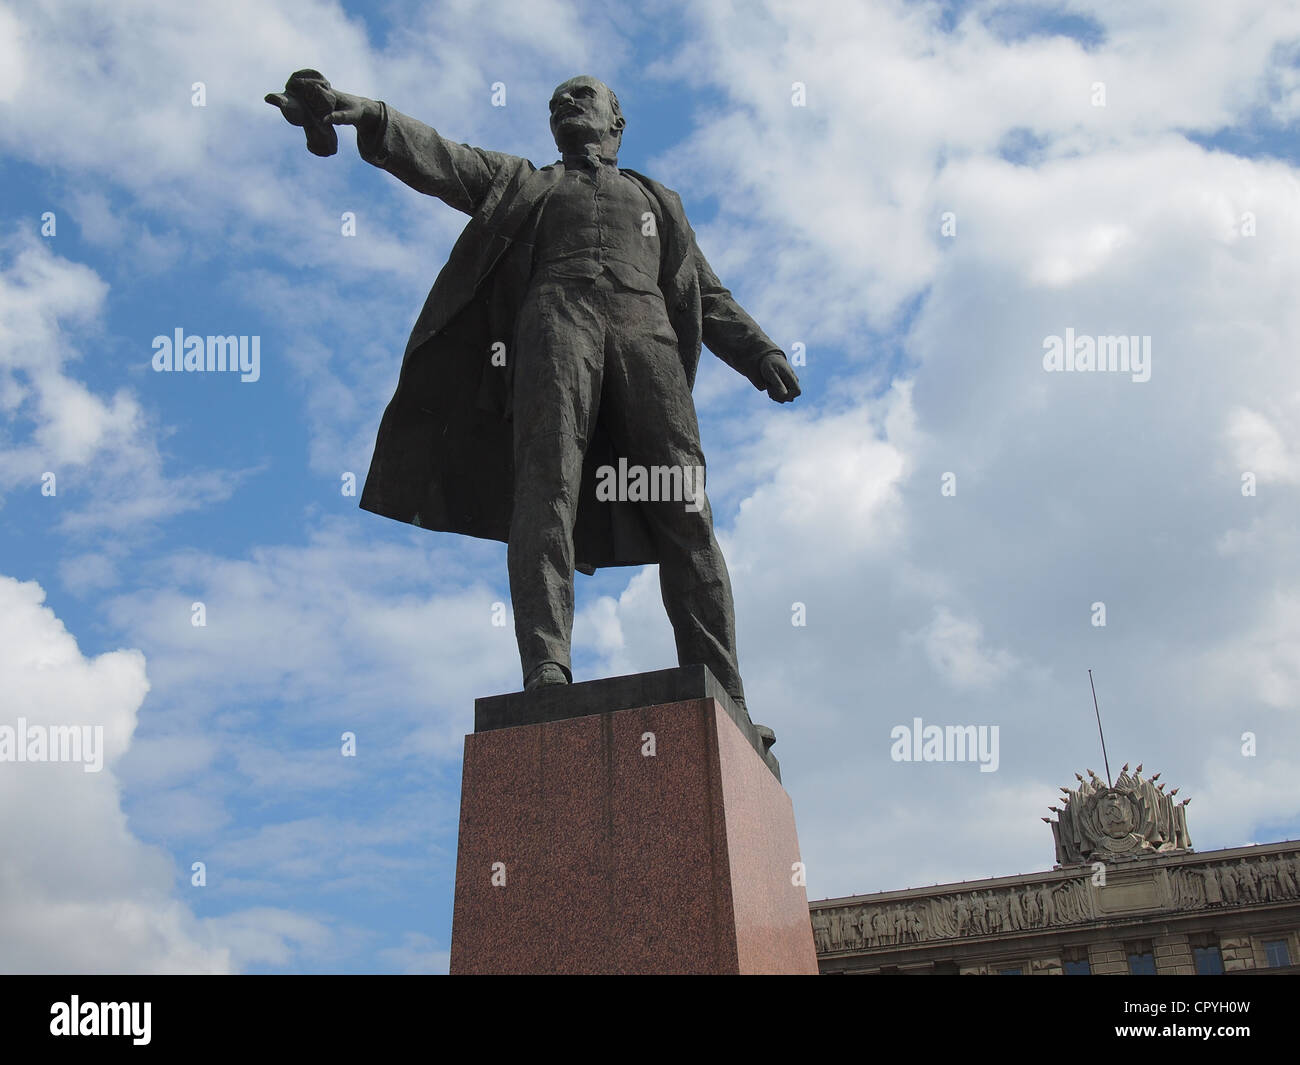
<point>306,100</point>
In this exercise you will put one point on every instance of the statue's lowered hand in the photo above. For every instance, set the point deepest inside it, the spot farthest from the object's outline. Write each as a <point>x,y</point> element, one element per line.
<point>782,384</point>
<point>309,102</point>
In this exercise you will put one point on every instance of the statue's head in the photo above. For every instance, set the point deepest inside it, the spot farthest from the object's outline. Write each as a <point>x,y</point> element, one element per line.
<point>584,110</point>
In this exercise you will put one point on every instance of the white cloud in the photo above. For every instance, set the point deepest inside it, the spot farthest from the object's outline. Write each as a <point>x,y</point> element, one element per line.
<point>101,450</point>
<point>1070,488</point>
<point>12,64</point>
<point>957,652</point>
<point>1260,665</point>
<point>78,891</point>
<point>88,572</point>
<point>598,625</point>
<point>389,641</point>
<point>418,955</point>
<point>1258,447</point>
<point>268,936</point>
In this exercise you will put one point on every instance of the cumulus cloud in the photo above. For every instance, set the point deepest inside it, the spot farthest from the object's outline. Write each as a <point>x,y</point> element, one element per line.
<point>100,450</point>
<point>79,892</point>
<point>417,955</point>
<point>1259,447</point>
<point>1069,489</point>
<point>956,651</point>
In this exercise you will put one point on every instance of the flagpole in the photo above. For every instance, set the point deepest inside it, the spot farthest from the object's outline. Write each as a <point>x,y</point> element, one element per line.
<point>1099,732</point>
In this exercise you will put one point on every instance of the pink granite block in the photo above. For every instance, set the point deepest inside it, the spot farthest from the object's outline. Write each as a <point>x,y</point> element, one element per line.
<point>615,861</point>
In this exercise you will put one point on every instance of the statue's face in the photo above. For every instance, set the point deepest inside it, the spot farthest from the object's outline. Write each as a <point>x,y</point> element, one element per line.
<point>581,113</point>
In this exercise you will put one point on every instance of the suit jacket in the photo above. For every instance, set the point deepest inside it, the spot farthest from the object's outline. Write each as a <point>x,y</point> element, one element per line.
<point>444,454</point>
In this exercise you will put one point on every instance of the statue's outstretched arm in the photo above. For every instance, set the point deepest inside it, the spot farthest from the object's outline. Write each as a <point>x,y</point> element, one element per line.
<point>417,154</point>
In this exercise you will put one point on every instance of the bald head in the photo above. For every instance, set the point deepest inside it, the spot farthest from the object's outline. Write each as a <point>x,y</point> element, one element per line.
<point>585,112</point>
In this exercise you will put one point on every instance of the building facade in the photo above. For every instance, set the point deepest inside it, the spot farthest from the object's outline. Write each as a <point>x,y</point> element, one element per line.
<point>1128,895</point>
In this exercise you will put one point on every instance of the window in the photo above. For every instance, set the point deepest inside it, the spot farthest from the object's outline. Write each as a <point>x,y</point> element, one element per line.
<point>1277,953</point>
<point>1011,972</point>
<point>1077,967</point>
<point>1208,961</point>
<point>1142,963</point>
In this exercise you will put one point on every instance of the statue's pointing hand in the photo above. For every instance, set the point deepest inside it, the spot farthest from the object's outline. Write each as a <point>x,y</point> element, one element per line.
<point>782,384</point>
<point>352,110</point>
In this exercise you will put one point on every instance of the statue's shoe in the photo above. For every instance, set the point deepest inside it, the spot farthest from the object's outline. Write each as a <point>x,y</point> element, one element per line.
<point>764,733</point>
<point>545,675</point>
<point>768,738</point>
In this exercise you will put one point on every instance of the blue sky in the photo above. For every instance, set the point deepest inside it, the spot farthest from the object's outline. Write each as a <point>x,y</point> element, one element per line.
<point>1169,210</point>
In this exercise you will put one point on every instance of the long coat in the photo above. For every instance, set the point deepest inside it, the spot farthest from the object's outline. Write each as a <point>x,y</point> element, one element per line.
<point>444,454</point>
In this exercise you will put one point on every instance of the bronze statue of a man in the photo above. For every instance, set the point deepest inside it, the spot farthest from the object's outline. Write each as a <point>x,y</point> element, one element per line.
<point>561,337</point>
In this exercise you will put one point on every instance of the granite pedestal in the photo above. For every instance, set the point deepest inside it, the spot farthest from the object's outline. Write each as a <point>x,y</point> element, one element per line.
<point>629,825</point>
